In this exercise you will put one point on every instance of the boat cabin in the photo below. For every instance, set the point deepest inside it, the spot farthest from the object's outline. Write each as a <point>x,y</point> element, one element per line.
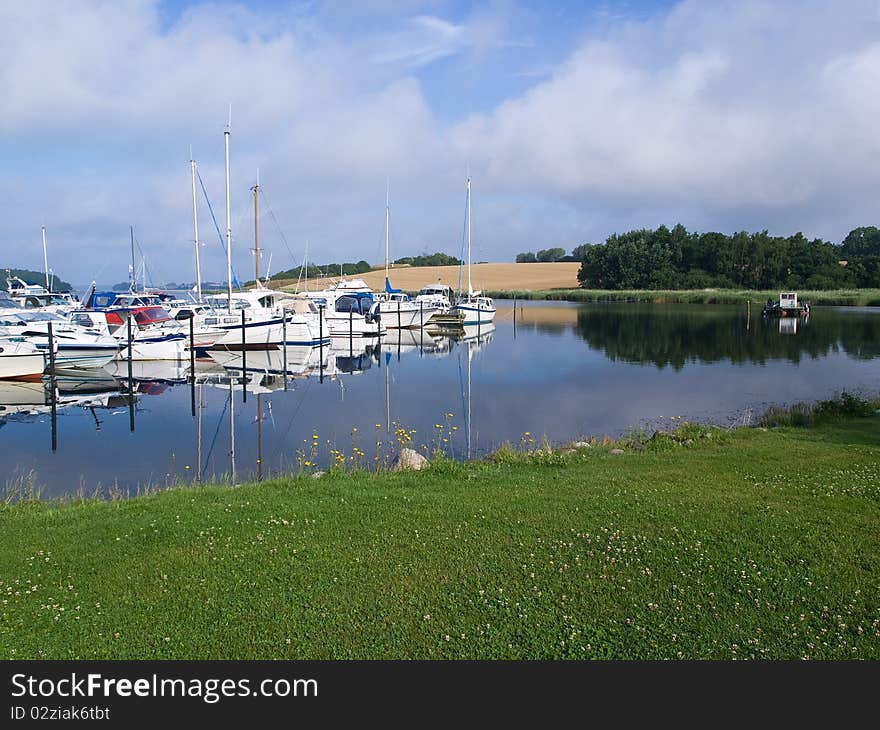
<point>788,300</point>
<point>359,303</point>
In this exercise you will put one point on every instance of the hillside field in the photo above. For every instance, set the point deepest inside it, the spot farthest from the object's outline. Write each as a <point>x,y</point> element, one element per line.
<point>489,277</point>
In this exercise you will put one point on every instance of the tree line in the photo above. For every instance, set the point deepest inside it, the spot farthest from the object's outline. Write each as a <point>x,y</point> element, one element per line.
<point>548,255</point>
<point>679,259</point>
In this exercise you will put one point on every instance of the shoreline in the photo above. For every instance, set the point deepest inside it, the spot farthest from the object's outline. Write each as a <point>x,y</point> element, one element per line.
<point>856,403</point>
<point>836,298</point>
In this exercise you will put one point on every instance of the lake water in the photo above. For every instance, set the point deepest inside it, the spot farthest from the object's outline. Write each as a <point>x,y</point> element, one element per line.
<point>564,370</point>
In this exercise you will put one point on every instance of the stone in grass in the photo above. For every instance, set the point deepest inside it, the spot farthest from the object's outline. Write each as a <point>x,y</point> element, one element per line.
<point>616,451</point>
<point>409,459</point>
<point>582,445</point>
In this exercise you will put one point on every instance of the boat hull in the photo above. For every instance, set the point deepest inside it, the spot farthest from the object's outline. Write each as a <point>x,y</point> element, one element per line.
<point>473,314</point>
<point>21,361</point>
<point>168,347</point>
<point>406,317</point>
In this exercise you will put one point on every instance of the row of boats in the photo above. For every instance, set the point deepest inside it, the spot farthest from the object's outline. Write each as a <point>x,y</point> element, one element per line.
<point>41,329</point>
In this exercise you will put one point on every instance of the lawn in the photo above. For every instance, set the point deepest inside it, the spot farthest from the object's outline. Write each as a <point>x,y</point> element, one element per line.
<point>750,543</point>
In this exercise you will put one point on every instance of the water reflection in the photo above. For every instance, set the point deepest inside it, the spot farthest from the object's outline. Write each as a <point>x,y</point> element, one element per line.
<point>677,334</point>
<point>565,371</point>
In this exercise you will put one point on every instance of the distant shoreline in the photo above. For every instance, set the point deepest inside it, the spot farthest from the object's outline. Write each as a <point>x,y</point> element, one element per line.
<point>835,297</point>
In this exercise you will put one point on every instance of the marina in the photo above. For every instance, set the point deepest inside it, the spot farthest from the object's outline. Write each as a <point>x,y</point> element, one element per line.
<point>556,371</point>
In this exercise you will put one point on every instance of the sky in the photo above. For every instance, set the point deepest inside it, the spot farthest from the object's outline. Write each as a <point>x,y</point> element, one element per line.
<point>575,120</point>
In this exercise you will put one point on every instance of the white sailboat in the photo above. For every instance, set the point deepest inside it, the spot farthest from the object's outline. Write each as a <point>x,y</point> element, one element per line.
<point>247,322</point>
<point>475,308</point>
<point>397,310</point>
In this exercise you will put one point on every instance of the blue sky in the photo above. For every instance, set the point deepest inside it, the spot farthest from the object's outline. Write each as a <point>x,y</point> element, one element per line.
<point>575,120</point>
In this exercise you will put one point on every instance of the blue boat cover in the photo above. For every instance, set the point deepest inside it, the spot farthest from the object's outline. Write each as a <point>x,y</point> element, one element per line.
<point>389,289</point>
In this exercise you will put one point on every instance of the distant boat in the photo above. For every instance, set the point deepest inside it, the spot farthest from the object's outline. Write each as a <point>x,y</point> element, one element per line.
<point>787,306</point>
<point>474,308</point>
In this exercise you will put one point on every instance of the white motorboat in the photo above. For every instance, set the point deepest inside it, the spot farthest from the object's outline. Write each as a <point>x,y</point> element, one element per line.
<point>154,336</point>
<point>20,359</point>
<point>438,296</point>
<point>76,346</point>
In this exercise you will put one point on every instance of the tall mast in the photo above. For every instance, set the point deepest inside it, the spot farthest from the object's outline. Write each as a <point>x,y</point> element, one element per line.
<point>228,219</point>
<point>132,279</point>
<point>387,225</point>
<point>192,166</point>
<point>256,189</point>
<point>46,261</point>
<point>470,288</point>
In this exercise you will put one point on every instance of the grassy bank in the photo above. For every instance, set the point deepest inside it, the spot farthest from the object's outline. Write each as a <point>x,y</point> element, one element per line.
<point>839,297</point>
<point>701,543</point>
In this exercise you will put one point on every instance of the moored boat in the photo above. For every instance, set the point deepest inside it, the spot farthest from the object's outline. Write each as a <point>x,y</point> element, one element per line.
<point>20,359</point>
<point>787,306</point>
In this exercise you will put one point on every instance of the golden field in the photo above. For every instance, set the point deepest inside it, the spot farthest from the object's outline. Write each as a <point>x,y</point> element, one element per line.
<point>488,277</point>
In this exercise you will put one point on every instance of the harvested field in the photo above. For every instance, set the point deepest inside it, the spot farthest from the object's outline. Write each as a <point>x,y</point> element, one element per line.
<point>489,277</point>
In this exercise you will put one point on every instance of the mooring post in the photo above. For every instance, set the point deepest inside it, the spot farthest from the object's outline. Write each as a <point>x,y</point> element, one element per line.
<point>284,348</point>
<point>192,365</point>
<point>243,361</point>
<point>350,332</point>
<point>130,378</point>
<point>514,315</point>
<point>52,387</point>
<point>321,345</point>
<point>398,314</point>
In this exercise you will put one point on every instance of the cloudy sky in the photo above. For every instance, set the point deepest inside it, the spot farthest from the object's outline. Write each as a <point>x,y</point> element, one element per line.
<point>575,119</point>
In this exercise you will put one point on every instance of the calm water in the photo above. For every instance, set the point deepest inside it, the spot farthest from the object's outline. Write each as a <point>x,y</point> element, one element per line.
<point>565,370</point>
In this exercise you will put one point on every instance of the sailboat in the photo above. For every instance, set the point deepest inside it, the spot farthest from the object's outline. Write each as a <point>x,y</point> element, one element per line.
<point>396,308</point>
<point>251,320</point>
<point>475,308</point>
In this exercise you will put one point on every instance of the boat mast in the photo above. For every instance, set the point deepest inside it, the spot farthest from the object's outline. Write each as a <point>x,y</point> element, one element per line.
<point>387,225</point>
<point>46,261</point>
<point>470,288</point>
<point>256,189</point>
<point>192,167</point>
<point>132,279</point>
<point>228,219</point>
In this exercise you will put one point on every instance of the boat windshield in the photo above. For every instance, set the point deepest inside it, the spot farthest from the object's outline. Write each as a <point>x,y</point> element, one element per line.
<point>33,317</point>
<point>149,315</point>
<point>359,304</point>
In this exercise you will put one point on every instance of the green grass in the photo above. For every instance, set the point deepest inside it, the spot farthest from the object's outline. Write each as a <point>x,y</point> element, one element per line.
<point>702,543</point>
<point>838,297</point>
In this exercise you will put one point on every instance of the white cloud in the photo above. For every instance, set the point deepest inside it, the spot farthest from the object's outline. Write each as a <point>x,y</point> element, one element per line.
<point>746,115</point>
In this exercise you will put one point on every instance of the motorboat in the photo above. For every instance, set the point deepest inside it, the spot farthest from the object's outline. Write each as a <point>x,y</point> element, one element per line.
<point>21,359</point>
<point>76,346</point>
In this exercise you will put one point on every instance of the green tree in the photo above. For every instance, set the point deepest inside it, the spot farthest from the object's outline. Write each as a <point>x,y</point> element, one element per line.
<point>526,258</point>
<point>550,254</point>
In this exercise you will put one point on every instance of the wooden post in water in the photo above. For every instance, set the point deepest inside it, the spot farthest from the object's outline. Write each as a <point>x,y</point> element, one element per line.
<point>350,332</point>
<point>52,388</point>
<point>243,361</point>
<point>192,366</point>
<point>398,315</point>
<point>321,343</point>
<point>130,378</point>
<point>514,315</point>
<point>284,348</point>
